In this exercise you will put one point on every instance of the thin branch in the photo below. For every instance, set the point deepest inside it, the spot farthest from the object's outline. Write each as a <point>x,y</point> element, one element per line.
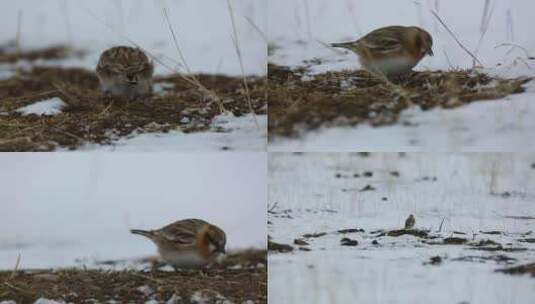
<point>190,78</point>
<point>175,40</point>
<point>455,37</point>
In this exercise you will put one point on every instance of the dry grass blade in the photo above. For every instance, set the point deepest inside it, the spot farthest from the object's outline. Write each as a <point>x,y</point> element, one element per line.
<point>455,38</point>
<point>191,79</point>
<point>514,46</point>
<point>16,268</point>
<point>257,29</point>
<point>240,59</point>
<point>484,26</point>
<point>175,41</point>
<point>19,25</point>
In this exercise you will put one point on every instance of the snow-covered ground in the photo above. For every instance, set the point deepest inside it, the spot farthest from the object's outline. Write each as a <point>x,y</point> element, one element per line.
<point>204,32</point>
<point>227,133</point>
<point>298,29</point>
<point>62,209</point>
<point>318,192</point>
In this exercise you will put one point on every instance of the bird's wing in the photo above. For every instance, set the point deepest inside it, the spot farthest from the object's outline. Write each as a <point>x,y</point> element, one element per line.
<point>182,232</point>
<point>389,39</point>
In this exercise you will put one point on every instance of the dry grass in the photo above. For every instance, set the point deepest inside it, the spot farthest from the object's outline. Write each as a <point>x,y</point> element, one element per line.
<point>90,117</point>
<point>237,284</point>
<point>50,53</point>
<point>353,97</point>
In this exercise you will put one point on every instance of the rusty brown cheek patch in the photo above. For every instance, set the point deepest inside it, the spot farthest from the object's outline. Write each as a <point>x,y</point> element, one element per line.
<point>350,98</point>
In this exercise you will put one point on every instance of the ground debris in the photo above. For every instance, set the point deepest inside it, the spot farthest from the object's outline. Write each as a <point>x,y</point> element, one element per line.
<point>129,286</point>
<point>300,242</point>
<point>350,230</point>
<point>522,269</point>
<point>414,232</point>
<point>10,55</point>
<point>348,242</point>
<point>435,260</point>
<point>314,235</point>
<point>454,240</point>
<point>349,98</point>
<point>500,259</point>
<point>283,248</point>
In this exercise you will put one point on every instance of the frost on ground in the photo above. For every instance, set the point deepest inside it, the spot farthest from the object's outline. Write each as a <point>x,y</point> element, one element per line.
<point>336,228</point>
<point>497,35</point>
<point>50,56</point>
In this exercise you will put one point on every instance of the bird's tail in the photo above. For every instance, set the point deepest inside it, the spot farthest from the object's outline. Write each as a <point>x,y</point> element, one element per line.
<point>144,233</point>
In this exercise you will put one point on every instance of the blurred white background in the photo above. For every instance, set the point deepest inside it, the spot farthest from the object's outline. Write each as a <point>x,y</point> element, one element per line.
<point>60,207</point>
<point>203,28</point>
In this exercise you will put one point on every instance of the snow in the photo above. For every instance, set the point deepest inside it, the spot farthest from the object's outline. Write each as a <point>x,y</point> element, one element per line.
<point>174,299</point>
<point>227,133</point>
<point>45,107</point>
<point>47,301</point>
<point>393,271</point>
<point>300,29</point>
<point>498,126</point>
<point>208,296</point>
<point>146,290</point>
<point>77,208</point>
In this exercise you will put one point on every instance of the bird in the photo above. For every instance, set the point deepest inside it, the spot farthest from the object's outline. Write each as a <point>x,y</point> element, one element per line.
<point>409,222</point>
<point>188,243</point>
<point>126,72</point>
<point>391,51</point>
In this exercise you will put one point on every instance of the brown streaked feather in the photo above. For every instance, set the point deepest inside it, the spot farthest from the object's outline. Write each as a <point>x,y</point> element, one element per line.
<point>183,232</point>
<point>124,60</point>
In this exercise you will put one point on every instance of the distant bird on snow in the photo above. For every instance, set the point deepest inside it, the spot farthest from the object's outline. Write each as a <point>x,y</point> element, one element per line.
<point>409,222</point>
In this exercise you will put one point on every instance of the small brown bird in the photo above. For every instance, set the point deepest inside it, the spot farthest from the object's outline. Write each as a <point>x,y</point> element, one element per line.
<point>410,222</point>
<point>187,243</point>
<point>125,71</point>
<point>391,50</point>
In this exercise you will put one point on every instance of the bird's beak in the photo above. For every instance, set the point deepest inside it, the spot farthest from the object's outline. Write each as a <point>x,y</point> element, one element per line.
<point>430,52</point>
<point>221,250</point>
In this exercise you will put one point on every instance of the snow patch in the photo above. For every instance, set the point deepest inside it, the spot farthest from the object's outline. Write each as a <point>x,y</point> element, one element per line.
<point>46,107</point>
<point>226,133</point>
<point>47,301</point>
<point>209,296</point>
